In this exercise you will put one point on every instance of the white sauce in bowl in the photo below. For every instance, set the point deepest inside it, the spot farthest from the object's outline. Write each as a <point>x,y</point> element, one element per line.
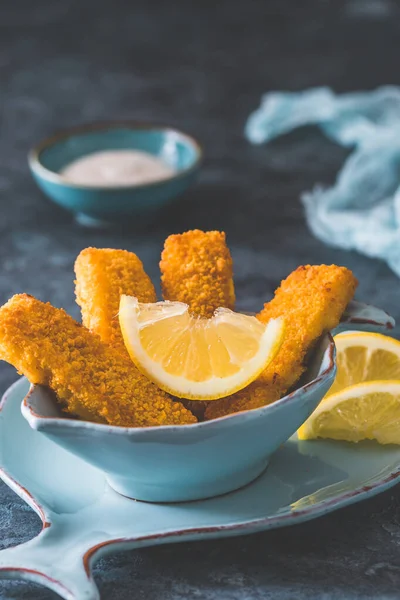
<point>117,167</point>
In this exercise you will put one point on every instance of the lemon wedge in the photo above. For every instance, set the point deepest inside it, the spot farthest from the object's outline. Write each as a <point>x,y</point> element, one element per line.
<point>196,358</point>
<point>365,357</point>
<point>366,411</point>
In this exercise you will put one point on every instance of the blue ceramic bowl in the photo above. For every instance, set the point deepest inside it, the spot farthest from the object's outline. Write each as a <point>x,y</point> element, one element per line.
<point>187,462</point>
<point>94,205</point>
<point>191,462</point>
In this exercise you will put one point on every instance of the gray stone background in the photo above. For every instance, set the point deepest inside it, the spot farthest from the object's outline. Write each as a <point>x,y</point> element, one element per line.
<point>201,66</point>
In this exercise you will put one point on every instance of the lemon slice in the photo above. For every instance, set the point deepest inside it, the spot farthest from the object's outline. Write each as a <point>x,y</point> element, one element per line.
<point>196,358</point>
<point>366,411</point>
<point>365,357</point>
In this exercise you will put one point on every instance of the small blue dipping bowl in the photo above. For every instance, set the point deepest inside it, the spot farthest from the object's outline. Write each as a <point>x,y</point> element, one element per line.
<point>98,205</point>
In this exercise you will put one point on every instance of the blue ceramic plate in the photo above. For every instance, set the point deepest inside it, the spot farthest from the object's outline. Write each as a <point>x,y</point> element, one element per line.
<point>83,517</point>
<point>99,205</point>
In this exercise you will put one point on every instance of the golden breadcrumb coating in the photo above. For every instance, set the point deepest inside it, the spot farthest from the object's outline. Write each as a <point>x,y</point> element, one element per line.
<point>196,268</point>
<point>311,300</point>
<point>102,276</point>
<point>89,377</point>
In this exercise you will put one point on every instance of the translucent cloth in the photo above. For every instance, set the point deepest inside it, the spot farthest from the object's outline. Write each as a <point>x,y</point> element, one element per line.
<point>362,210</point>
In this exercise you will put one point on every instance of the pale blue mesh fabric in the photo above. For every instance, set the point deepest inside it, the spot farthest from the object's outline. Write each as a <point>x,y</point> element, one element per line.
<point>362,210</point>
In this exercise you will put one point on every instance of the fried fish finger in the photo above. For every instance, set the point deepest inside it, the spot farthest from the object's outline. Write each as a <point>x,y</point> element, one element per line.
<point>196,268</point>
<point>102,276</point>
<point>311,300</point>
<point>89,377</point>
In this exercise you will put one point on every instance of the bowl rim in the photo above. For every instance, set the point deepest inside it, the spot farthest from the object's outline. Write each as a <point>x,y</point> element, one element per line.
<point>41,422</point>
<point>38,168</point>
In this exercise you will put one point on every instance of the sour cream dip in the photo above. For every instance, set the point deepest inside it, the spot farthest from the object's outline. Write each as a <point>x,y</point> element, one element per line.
<point>117,167</point>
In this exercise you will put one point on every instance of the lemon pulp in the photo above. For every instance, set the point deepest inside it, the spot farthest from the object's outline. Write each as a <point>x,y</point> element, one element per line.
<point>197,358</point>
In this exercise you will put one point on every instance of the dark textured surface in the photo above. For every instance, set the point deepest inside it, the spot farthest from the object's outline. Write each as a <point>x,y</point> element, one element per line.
<point>202,68</point>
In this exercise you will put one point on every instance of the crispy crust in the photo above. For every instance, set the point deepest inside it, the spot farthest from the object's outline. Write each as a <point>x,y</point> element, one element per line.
<point>102,276</point>
<point>89,377</point>
<point>196,268</point>
<point>311,300</point>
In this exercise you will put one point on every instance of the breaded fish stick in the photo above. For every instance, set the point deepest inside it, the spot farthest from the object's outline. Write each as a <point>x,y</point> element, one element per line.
<point>311,300</point>
<point>196,268</point>
<point>102,276</point>
<point>90,378</point>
